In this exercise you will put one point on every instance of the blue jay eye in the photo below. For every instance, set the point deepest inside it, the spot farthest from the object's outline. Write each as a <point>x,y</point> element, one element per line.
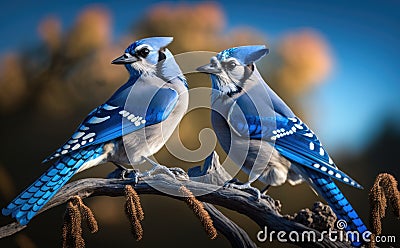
<point>230,65</point>
<point>144,52</point>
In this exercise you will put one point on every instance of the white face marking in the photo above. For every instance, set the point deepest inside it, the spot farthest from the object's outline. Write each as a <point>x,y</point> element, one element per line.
<point>142,65</point>
<point>228,81</point>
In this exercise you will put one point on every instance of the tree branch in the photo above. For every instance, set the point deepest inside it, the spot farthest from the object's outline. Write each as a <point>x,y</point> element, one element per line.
<point>264,212</point>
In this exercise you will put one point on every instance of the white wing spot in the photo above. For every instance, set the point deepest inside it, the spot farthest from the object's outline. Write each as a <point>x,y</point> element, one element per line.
<point>76,147</point>
<point>273,138</point>
<point>346,179</point>
<point>83,142</point>
<point>321,151</point>
<point>292,119</point>
<point>84,128</point>
<point>130,117</point>
<point>311,146</point>
<point>282,130</point>
<point>143,121</point>
<point>330,160</point>
<point>323,168</point>
<point>338,175</point>
<point>78,135</point>
<point>274,132</point>
<point>294,129</point>
<point>64,152</point>
<point>330,172</point>
<point>91,140</point>
<point>73,141</point>
<point>298,126</point>
<point>352,183</point>
<point>316,165</point>
<point>308,135</point>
<point>109,107</point>
<point>90,135</point>
<point>137,123</point>
<point>66,146</point>
<point>96,120</point>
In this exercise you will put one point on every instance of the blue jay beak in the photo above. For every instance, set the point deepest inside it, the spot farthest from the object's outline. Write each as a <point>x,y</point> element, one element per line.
<point>125,59</point>
<point>208,68</point>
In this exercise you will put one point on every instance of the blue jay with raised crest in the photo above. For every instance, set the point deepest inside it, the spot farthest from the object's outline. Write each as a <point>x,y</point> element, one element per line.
<point>262,134</point>
<point>128,128</point>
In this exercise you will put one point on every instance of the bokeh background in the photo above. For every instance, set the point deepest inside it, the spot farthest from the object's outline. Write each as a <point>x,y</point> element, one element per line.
<point>336,63</point>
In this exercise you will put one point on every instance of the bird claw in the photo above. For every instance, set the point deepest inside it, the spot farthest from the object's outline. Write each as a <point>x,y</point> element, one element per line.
<point>233,184</point>
<point>129,174</point>
<point>176,173</point>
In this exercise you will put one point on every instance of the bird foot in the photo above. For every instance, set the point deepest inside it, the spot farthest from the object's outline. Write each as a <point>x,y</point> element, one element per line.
<point>233,184</point>
<point>175,172</point>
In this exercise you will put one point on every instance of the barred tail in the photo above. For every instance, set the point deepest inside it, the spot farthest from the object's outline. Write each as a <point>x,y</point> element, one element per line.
<point>339,204</point>
<point>32,199</point>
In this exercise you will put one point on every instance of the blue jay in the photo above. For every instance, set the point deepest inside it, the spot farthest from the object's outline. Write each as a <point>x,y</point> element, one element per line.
<point>130,126</point>
<point>262,134</point>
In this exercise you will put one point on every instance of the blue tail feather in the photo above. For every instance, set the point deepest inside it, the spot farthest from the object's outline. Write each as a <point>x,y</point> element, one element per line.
<point>339,204</point>
<point>30,201</point>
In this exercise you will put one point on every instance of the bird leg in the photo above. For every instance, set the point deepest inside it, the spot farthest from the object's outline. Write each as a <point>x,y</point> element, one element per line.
<point>128,174</point>
<point>233,184</point>
<point>173,172</point>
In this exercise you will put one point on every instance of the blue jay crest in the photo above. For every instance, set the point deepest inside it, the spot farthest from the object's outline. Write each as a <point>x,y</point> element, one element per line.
<point>246,55</point>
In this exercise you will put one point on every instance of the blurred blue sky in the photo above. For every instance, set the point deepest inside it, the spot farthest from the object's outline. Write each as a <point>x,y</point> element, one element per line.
<point>362,92</point>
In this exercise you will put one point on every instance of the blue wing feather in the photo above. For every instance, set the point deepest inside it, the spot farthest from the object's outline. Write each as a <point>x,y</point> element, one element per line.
<point>111,120</point>
<point>293,139</point>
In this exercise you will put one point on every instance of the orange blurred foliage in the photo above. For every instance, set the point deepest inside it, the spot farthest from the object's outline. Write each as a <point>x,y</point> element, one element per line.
<point>305,61</point>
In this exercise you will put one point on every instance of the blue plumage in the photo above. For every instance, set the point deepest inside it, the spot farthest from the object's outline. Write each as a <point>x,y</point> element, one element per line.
<point>254,117</point>
<point>117,131</point>
<point>30,201</point>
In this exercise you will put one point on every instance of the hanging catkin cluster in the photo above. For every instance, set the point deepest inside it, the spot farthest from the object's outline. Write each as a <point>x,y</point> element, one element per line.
<point>134,212</point>
<point>72,226</point>
<point>382,192</point>
<point>198,209</point>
